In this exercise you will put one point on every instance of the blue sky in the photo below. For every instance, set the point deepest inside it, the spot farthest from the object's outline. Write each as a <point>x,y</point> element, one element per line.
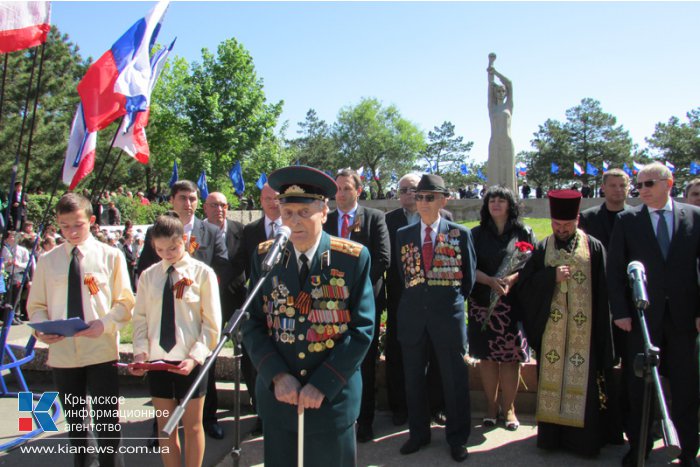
<point>639,59</point>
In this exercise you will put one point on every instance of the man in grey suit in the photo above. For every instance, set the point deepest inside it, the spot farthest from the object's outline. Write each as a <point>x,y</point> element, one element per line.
<point>664,235</point>
<point>203,242</point>
<point>368,227</point>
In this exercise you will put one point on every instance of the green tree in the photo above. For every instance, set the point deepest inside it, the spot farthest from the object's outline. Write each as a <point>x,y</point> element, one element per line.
<point>63,68</point>
<point>447,153</point>
<point>228,114</point>
<point>588,135</point>
<point>315,146</point>
<point>678,142</point>
<point>376,138</point>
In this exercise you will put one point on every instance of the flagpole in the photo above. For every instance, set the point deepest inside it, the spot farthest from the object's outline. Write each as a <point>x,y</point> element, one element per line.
<point>31,125</point>
<point>2,89</point>
<point>104,162</point>
<point>111,172</point>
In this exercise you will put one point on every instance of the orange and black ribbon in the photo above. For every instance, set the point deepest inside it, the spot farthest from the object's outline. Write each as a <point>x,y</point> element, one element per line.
<point>91,284</point>
<point>180,285</point>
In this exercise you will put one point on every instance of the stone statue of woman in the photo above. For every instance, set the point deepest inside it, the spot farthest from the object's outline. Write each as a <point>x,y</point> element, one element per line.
<point>501,163</point>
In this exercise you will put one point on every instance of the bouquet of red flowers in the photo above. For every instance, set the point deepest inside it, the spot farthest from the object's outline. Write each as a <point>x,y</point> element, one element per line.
<point>513,261</point>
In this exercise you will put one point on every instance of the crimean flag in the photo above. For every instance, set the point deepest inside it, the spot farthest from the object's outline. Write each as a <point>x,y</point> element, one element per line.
<point>118,82</point>
<point>80,155</point>
<point>23,25</point>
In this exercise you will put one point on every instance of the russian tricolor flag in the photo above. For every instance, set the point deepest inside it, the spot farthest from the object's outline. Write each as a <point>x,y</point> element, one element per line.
<point>23,25</point>
<point>118,82</point>
<point>131,137</point>
<point>636,167</point>
<point>670,166</point>
<point>80,155</point>
<point>577,169</point>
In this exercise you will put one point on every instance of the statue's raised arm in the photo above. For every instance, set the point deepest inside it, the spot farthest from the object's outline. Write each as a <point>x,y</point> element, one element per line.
<point>499,94</point>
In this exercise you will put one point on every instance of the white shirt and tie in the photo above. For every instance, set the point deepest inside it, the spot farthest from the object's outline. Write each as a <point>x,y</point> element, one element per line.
<point>271,227</point>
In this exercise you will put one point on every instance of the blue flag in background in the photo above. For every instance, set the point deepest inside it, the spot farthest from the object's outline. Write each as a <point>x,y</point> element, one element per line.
<point>236,176</point>
<point>481,175</point>
<point>627,170</point>
<point>694,168</point>
<point>590,169</point>
<point>202,184</point>
<point>555,168</point>
<point>261,181</point>
<point>463,168</point>
<point>173,177</point>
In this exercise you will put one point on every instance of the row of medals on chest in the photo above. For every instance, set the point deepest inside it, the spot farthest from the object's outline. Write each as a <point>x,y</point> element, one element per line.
<point>329,314</point>
<point>445,268</point>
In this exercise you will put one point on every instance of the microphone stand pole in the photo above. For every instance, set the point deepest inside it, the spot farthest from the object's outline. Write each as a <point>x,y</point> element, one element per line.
<point>232,325</point>
<point>646,365</point>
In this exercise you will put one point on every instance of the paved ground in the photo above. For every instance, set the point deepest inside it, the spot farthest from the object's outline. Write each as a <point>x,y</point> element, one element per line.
<point>492,446</point>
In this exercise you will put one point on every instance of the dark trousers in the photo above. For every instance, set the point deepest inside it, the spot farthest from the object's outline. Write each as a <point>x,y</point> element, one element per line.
<point>335,448</point>
<point>395,381</point>
<point>368,370</point>
<point>679,363</point>
<point>99,380</point>
<point>455,384</point>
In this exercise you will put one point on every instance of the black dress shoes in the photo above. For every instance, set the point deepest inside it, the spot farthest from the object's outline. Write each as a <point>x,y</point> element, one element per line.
<point>459,452</point>
<point>413,445</point>
<point>364,432</point>
<point>214,430</point>
<point>439,418</point>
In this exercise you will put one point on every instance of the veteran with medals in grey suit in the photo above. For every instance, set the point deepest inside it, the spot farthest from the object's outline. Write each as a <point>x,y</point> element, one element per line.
<point>438,268</point>
<point>309,329</point>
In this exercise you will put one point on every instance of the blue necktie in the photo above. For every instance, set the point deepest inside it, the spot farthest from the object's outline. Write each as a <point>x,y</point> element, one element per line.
<point>662,233</point>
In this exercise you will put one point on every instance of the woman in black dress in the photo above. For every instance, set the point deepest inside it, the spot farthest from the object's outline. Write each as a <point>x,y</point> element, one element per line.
<point>500,344</point>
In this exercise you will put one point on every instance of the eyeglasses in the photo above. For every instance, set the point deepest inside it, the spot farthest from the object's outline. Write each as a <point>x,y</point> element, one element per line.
<point>426,198</point>
<point>403,191</point>
<point>218,205</point>
<point>648,183</point>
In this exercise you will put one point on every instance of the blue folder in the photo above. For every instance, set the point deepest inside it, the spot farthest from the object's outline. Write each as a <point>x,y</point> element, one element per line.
<point>62,327</point>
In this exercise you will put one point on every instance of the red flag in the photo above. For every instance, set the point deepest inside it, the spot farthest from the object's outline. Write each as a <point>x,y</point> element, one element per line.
<point>23,25</point>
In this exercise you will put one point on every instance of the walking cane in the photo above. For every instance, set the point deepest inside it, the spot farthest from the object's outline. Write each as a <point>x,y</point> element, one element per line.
<point>300,439</point>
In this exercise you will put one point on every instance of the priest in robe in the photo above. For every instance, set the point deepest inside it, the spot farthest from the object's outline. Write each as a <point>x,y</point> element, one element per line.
<point>567,319</point>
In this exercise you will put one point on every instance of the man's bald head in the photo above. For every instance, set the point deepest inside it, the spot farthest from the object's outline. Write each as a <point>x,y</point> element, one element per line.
<point>269,202</point>
<point>215,208</point>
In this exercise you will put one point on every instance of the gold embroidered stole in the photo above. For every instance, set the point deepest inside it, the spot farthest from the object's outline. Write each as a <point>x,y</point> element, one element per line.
<point>564,363</point>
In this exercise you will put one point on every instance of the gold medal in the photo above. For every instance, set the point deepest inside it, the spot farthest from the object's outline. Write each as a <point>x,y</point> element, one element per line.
<point>311,347</point>
<point>330,344</point>
<point>333,281</point>
<point>331,304</point>
<point>340,282</point>
<point>318,347</point>
<point>289,312</point>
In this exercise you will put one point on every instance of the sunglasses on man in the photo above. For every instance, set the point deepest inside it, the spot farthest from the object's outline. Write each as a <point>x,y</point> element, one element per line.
<point>403,191</point>
<point>426,198</point>
<point>648,183</point>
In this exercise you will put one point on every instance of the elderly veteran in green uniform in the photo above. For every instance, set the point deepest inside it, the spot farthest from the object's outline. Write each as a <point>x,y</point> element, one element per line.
<point>310,328</point>
<point>437,264</point>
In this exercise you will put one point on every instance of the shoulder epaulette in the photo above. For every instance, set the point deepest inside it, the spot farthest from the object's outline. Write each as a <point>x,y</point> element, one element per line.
<point>264,246</point>
<point>346,246</point>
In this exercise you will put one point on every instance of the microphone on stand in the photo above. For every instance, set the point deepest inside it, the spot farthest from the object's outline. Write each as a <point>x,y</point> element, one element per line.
<point>275,252</point>
<point>638,282</point>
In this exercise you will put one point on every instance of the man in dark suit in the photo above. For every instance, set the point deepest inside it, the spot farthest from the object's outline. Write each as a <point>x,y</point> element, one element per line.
<point>233,294</point>
<point>309,329</point>
<point>368,227</point>
<point>126,245</point>
<point>264,228</point>
<point>664,235</point>
<point>598,222</point>
<point>438,268</point>
<point>18,207</point>
<point>205,243</point>
<point>395,383</point>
